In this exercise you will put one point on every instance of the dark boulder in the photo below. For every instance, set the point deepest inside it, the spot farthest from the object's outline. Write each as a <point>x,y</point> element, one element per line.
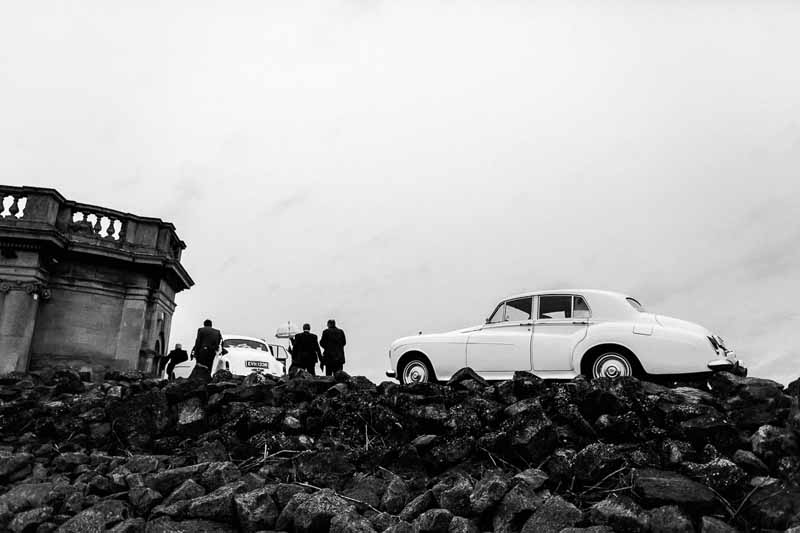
<point>621,514</point>
<point>660,486</point>
<point>314,515</point>
<point>552,516</point>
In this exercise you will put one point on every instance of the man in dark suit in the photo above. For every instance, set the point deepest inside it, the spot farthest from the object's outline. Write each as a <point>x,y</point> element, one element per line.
<point>205,350</point>
<point>178,355</point>
<point>333,341</point>
<point>306,352</point>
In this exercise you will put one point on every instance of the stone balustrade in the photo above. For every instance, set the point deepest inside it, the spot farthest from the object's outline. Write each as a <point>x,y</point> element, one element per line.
<point>12,205</point>
<point>45,212</point>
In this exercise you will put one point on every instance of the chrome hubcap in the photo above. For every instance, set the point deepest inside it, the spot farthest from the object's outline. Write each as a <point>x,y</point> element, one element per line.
<point>415,372</point>
<point>611,365</point>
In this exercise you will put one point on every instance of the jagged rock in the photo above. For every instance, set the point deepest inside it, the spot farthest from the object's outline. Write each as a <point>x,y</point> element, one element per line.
<point>552,516</point>
<point>188,490</point>
<point>597,460</point>
<point>417,506</point>
<point>218,505</point>
<point>350,524</point>
<point>167,525</point>
<point>219,474</point>
<point>256,510</point>
<point>143,499</point>
<point>15,467</point>
<point>315,513</point>
<point>770,443</point>
<point>621,514</point>
<point>97,519</point>
<point>433,521</point>
<point>31,495</point>
<point>516,507</point>
<point>660,486</point>
<point>466,374</point>
<point>488,492</point>
<point>669,519</point>
<point>66,462</point>
<point>396,496</point>
<point>454,495</point>
<point>131,525</point>
<point>30,520</point>
<point>720,474</point>
<point>285,521</point>
<point>383,521</point>
<point>709,524</point>
<point>590,529</point>
<point>400,527</point>
<point>459,524</point>
<point>750,462</point>
<point>143,464</point>
<point>532,478</point>
<point>167,480</point>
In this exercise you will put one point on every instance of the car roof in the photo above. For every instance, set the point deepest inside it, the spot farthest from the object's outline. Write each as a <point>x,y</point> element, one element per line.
<point>226,337</point>
<point>582,292</point>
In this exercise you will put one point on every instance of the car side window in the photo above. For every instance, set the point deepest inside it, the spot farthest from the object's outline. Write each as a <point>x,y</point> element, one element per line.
<point>519,309</point>
<point>498,314</point>
<point>579,308</point>
<point>555,307</point>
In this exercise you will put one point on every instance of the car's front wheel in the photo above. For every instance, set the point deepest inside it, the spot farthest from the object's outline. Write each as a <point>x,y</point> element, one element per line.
<point>612,365</point>
<point>416,370</point>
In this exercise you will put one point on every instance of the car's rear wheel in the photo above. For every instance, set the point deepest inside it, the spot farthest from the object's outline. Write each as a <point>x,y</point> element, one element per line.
<point>416,370</point>
<point>612,365</point>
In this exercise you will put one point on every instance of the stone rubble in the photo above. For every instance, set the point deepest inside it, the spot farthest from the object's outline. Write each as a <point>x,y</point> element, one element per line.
<point>314,454</point>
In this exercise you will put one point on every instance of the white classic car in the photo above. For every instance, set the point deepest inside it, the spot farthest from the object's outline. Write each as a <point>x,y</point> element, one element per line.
<point>561,334</point>
<point>241,356</point>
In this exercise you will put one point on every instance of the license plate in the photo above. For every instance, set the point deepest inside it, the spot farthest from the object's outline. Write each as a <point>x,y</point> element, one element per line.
<point>256,364</point>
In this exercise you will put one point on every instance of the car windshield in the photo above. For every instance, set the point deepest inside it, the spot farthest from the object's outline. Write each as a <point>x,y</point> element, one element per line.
<point>635,304</point>
<point>244,343</point>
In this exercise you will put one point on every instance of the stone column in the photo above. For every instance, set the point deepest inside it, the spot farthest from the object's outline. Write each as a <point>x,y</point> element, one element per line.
<point>20,306</point>
<point>131,329</point>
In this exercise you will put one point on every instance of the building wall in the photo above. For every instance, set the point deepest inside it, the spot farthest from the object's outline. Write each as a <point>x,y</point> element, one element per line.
<point>99,316</point>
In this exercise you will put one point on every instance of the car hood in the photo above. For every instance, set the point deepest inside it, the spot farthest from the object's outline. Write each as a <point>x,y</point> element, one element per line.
<point>447,336</point>
<point>685,325</point>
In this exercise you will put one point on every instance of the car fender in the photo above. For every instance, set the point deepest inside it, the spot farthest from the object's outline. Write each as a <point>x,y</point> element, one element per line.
<point>661,350</point>
<point>446,354</point>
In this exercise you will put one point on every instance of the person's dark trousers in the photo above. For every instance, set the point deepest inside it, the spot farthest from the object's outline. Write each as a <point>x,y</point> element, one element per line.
<point>332,368</point>
<point>171,370</point>
<point>201,374</point>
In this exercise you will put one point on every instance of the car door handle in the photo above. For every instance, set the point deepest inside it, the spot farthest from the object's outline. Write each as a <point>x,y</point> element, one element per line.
<point>581,322</point>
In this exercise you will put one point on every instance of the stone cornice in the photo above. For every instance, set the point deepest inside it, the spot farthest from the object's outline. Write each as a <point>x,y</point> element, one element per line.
<point>40,217</point>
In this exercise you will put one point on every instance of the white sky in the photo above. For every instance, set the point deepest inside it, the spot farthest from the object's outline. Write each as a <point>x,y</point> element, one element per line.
<point>401,166</point>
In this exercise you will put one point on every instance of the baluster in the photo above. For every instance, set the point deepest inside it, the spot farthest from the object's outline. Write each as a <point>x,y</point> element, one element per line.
<point>121,232</point>
<point>96,227</point>
<point>14,209</point>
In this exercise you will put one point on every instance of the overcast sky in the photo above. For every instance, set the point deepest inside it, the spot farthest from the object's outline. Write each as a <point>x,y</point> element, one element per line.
<point>402,166</point>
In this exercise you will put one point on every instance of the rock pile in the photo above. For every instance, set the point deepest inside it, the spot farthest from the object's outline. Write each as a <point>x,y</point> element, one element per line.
<point>314,454</point>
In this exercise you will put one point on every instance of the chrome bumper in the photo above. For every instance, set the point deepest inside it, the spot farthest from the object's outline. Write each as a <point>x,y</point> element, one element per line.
<point>726,365</point>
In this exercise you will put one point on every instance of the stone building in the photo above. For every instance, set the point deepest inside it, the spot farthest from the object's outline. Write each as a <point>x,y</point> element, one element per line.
<point>82,285</point>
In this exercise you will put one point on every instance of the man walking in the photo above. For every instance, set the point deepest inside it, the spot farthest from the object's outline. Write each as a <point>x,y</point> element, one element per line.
<point>205,349</point>
<point>305,352</point>
<point>333,341</point>
<point>176,356</point>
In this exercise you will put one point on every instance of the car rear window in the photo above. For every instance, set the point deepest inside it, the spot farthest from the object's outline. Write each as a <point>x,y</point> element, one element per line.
<point>635,304</point>
<point>244,343</point>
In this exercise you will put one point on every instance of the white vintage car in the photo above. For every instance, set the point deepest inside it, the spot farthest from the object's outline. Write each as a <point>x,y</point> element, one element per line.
<point>241,356</point>
<point>560,334</point>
